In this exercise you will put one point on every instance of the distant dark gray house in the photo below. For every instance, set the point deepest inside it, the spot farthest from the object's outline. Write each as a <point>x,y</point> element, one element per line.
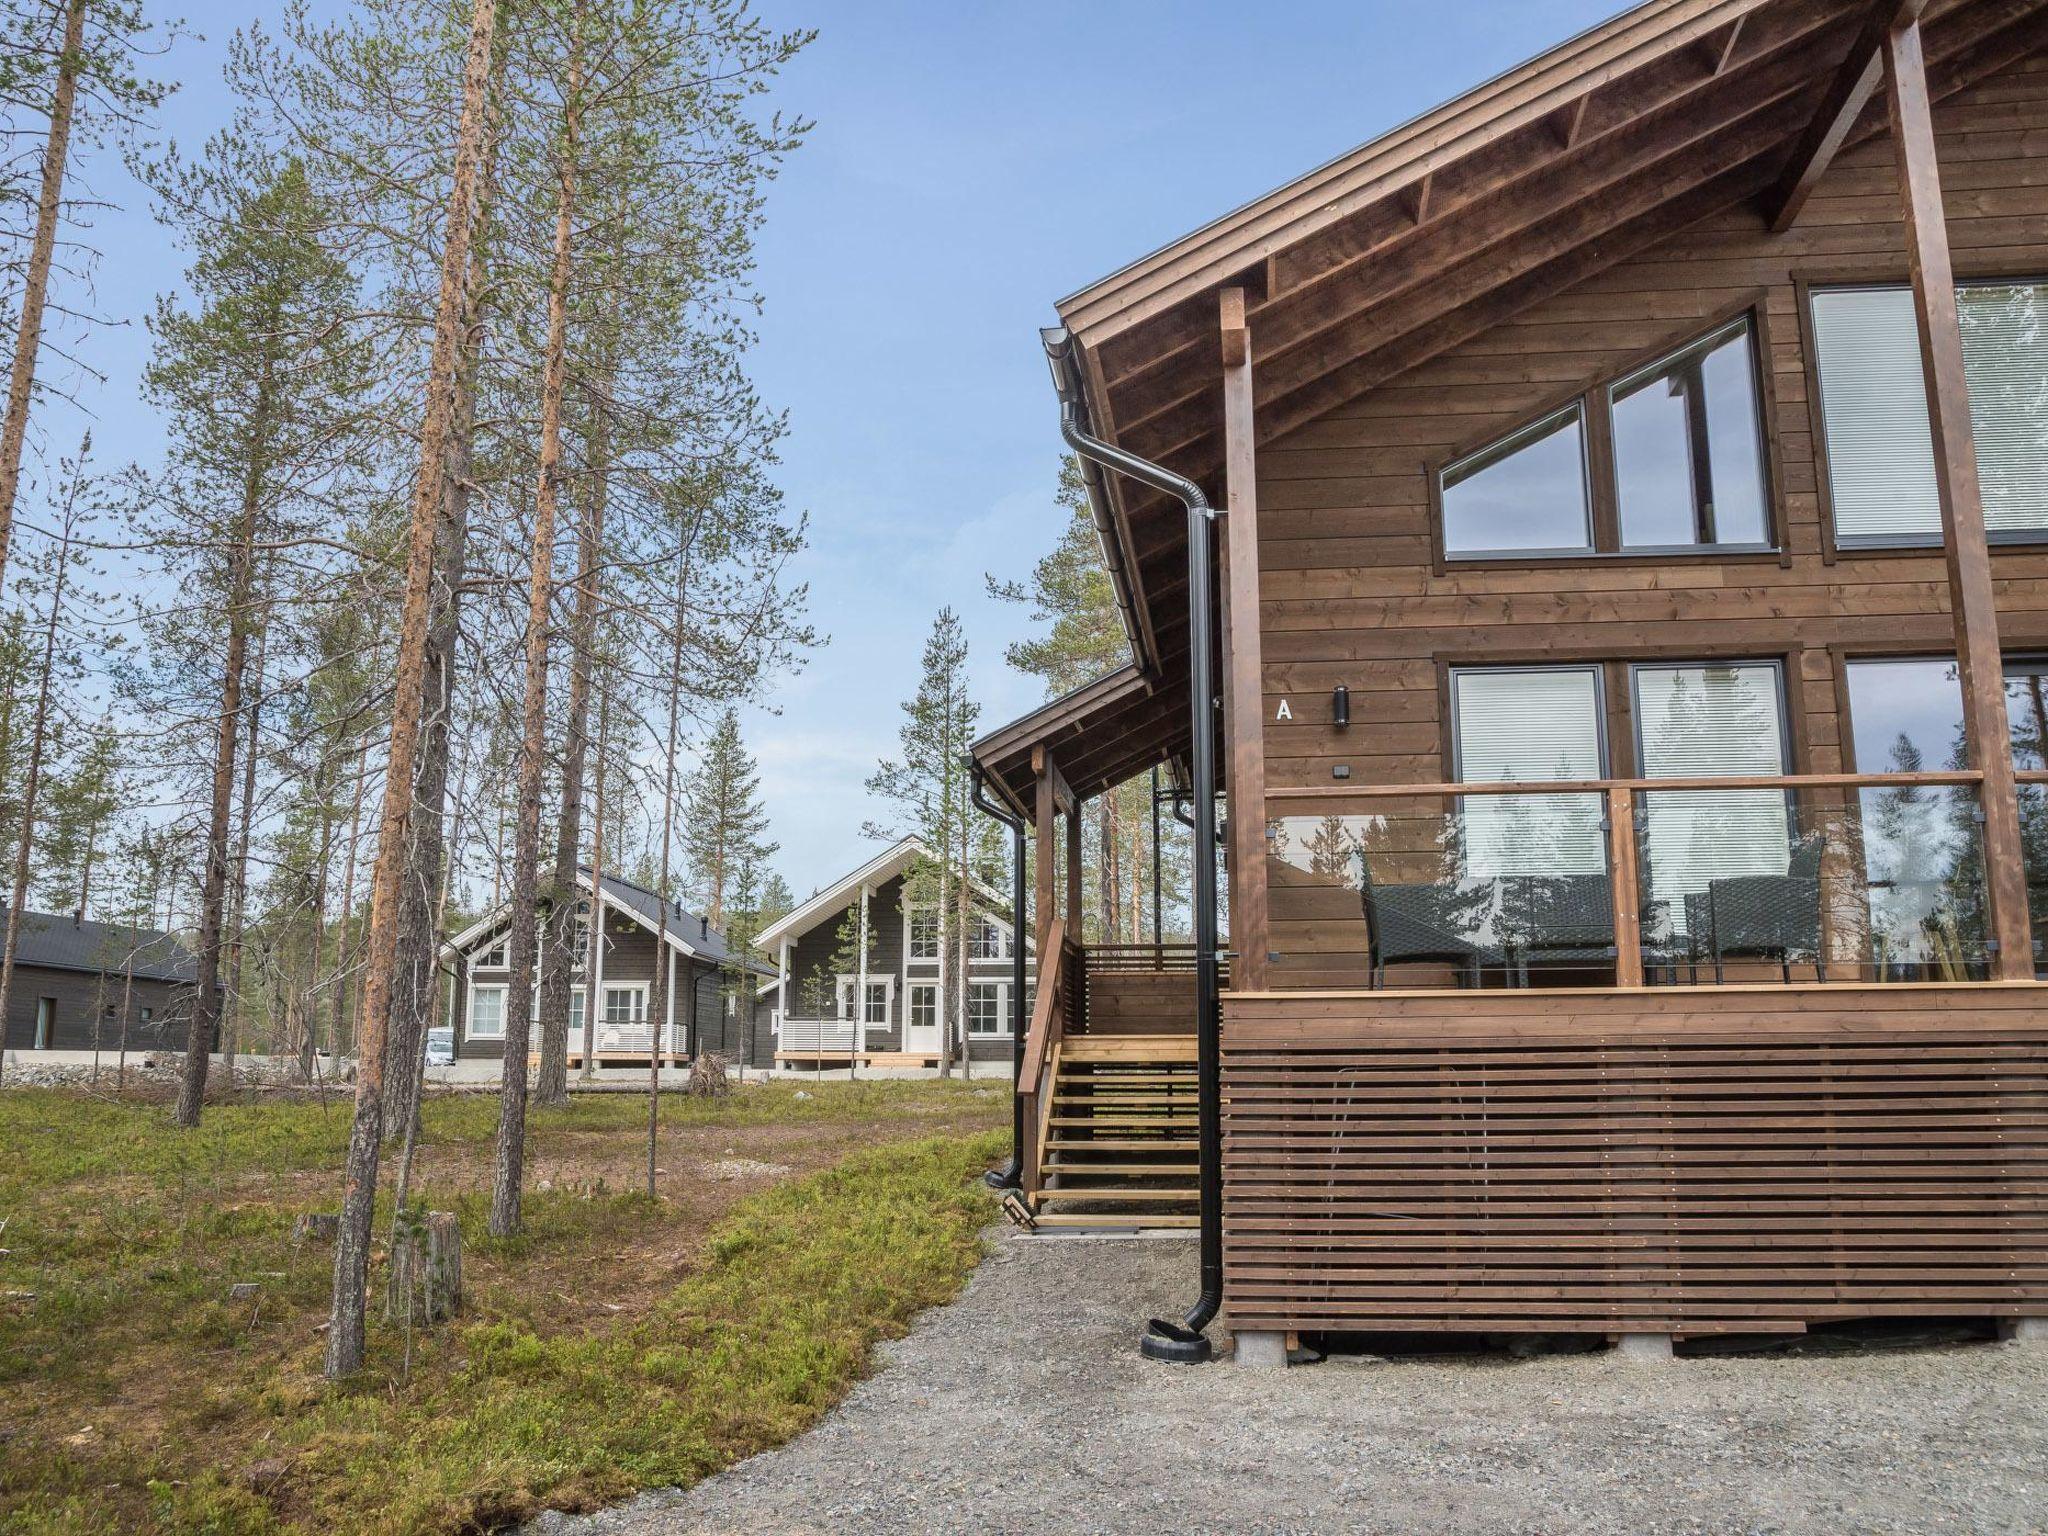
<point>701,1015</point>
<point>903,981</point>
<point>77,983</point>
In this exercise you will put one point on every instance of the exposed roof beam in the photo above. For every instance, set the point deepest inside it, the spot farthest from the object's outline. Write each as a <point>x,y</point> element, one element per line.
<point>1855,82</point>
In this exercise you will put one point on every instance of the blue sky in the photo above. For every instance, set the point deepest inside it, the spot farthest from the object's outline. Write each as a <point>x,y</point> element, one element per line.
<point>972,162</point>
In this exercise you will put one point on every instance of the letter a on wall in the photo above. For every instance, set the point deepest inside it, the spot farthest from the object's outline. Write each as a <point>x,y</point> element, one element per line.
<point>1284,712</point>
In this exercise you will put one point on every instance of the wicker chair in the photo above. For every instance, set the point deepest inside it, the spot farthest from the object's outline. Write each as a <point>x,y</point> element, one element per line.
<point>1770,917</point>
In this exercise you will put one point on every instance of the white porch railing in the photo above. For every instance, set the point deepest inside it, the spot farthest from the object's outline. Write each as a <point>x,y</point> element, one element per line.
<point>824,1036</point>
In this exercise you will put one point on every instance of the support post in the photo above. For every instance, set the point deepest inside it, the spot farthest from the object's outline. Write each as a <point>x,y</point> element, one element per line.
<point>1244,710</point>
<point>1628,928</point>
<point>1971,599</point>
<point>1074,876</point>
<point>1046,809</point>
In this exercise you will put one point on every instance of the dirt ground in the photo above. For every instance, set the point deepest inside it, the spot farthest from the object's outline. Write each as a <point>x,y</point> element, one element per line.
<point>1026,1407</point>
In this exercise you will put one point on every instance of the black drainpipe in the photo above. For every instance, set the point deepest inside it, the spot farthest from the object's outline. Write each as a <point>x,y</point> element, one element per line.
<point>1182,1343</point>
<point>1011,1176</point>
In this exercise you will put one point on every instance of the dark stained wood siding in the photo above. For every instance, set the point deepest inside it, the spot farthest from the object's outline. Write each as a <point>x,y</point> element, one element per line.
<point>82,997</point>
<point>1352,591</point>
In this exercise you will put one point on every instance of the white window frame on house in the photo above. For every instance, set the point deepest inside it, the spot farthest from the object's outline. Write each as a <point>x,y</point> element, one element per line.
<point>842,998</point>
<point>495,956</point>
<point>911,916</point>
<point>986,927</point>
<point>638,990</point>
<point>1002,1030</point>
<point>502,990</point>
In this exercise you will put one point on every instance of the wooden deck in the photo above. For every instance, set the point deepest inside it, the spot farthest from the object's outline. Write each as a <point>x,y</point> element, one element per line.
<point>1697,1160</point>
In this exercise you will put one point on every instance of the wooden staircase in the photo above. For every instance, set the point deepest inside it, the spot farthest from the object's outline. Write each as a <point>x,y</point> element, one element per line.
<point>1117,1141</point>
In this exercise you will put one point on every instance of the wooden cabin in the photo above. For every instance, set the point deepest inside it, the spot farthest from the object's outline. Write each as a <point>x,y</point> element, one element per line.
<point>703,1010</point>
<point>1631,484</point>
<point>86,986</point>
<point>868,936</point>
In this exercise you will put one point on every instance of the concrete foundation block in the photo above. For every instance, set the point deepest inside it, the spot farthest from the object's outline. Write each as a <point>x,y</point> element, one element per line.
<point>1266,1350</point>
<point>1643,1348</point>
<point>2032,1331</point>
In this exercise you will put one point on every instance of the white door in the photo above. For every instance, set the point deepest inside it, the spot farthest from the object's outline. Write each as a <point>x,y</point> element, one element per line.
<point>921,1017</point>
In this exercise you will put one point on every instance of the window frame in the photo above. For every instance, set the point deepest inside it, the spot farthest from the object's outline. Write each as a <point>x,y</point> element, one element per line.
<point>911,914</point>
<point>1498,449</point>
<point>1786,749</point>
<point>847,983</point>
<point>1593,399</point>
<point>1455,743</point>
<point>1843,657</point>
<point>1003,1030</point>
<point>476,989</point>
<point>910,995</point>
<point>1805,285</point>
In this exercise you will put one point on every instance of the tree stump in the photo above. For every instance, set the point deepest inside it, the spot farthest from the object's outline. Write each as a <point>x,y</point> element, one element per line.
<point>707,1076</point>
<point>426,1268</point>
<point>316,1227</point>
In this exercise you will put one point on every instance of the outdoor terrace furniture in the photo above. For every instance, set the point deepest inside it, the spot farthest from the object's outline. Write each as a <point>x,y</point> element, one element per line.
<point>1445,922</point>
<point>1557,922</point>
<point>1772,917</point>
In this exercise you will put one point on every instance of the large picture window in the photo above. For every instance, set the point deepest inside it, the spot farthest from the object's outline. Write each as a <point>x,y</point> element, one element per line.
<point>1710,720</point>
<point>1669,457</point>
<point>1529,723</point>
<point>1873,395</point>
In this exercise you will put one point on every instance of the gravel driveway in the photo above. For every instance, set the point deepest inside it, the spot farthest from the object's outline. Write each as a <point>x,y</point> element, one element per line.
<point>1026,1407</point>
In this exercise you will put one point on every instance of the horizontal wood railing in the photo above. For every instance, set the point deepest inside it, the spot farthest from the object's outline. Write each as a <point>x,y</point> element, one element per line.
<point>1621,798</point>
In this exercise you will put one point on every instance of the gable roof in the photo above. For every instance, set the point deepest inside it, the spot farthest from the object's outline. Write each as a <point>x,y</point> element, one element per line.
<point>885,866</point>
<point>62,943</point>
<point>690,933</point>
<point>1436,231</point>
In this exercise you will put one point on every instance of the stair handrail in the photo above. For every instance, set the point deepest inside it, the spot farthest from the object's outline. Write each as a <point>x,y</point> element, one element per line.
<point>1047,1015</point>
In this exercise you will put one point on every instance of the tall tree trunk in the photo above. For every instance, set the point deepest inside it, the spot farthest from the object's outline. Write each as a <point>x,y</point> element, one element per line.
<point>553,1085</point>
<point>508,1176</point>
<point>419,906</point>
<point>31,789</point>
<point>203,1034</point>
<point>240,910</point>
<point>352,1248</point>
<point>593,991</point>
<point>345,952</point>
<point>35,288</point>
<point>663,965</point>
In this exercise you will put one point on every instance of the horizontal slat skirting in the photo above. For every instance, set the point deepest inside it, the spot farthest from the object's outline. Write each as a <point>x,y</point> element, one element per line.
<point>1577,1163</point>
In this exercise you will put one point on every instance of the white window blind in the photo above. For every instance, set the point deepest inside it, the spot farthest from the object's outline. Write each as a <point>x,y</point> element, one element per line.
<point>1874,409</point>
<point>1529,723</point>
<point>2005,361</point>
<point>1697,722</point>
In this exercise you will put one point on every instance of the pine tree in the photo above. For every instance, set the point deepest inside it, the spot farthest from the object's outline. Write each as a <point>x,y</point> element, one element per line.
<point>725,823</point>
<point>80,60</point>
<point>256,382</point>
<point>932,792</point>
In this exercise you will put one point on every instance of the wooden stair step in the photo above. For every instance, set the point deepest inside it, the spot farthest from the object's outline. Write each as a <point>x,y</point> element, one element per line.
<point>1119,1170</point>
<point>1118,1194</point>
<point>1147,1049</point>
<point>1116,1219</point>
<point>1129,1122</point>
<point>1155,1144</point>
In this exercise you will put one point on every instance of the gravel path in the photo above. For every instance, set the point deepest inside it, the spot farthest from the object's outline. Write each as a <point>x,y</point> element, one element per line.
<point>1026,1407</point>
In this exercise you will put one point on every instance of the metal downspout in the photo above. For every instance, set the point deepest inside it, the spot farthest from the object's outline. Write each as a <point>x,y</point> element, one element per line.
<point>1184,1342</point>
<point>1011,1176</point>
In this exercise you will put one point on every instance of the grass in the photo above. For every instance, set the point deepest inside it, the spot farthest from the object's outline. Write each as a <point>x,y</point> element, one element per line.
<point>619,1343</point>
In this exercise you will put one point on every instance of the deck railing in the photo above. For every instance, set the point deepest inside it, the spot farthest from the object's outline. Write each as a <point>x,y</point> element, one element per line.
<point>823,1037</point>
<point>1640,882</point>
